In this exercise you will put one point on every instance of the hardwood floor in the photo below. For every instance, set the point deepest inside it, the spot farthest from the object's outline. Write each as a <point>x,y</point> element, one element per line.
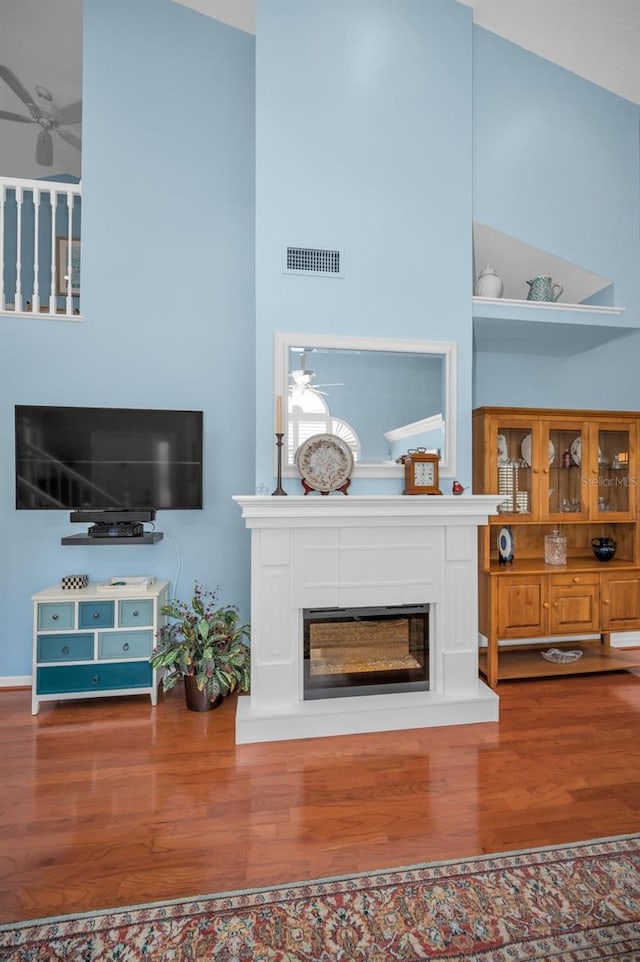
<point>111,802</point>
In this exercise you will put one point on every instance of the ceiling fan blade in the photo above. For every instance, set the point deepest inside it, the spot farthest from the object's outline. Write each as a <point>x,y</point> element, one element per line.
<point>12,81</point>
<point>44,149</point>
<point>72,113</point>
<point>8,115</point>
<point>70,138</point>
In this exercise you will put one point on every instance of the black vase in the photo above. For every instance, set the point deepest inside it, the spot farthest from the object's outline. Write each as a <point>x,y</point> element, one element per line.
<point>198,700</point>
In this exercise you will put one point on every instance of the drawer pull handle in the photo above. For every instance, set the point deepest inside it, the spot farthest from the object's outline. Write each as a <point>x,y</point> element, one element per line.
<point>95,680</point>
<point>577,581</point>
<point>96,614</point>
<point>125,647</point>
<point>65,650</point>
<point>54,617</point>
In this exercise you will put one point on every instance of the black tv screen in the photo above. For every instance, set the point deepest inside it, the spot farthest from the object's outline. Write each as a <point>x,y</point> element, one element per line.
<point>107,458</point>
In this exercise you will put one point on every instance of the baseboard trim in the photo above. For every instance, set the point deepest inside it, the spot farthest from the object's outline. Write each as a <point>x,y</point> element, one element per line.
<point>15,681</point>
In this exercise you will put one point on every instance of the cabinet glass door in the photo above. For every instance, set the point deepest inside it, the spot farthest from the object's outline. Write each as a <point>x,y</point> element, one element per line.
<point>517,443</point>
<point>564,470</point>
<point>614,471</point>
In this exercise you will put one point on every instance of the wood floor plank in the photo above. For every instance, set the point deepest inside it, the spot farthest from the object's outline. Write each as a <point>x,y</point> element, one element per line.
<point>110,802</point>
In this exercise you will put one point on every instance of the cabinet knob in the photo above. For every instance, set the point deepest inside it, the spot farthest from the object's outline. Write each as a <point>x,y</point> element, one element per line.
<point>546,604</point>
<point>54,617</point>
<point>577,580</point>
<point>555,604</point>
<point>65,650</point>
<point>135,614</point>
<point>606,602</point>
<point>96,614</point>
<point>125,647</point>
<point>95,680</point>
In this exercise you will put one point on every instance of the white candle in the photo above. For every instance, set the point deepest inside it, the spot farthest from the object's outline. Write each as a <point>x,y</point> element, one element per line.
<point>279,414</point>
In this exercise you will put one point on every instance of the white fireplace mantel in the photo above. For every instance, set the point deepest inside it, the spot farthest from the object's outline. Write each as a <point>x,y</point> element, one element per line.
<point>350,551</point>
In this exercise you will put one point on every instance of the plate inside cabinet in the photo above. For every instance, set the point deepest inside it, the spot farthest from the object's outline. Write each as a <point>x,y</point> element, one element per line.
<point>576,451</point>
<point>525,449</point>
<point>503,453</point>
<point>324,462</point>
<point>505,544</point>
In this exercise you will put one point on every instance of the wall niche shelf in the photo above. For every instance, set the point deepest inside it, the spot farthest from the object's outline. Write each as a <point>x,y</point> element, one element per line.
<point>149,537</point>
<point>510,326</point>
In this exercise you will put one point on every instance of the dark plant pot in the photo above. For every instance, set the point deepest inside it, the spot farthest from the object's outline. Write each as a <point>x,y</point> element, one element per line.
<point>198,700</point>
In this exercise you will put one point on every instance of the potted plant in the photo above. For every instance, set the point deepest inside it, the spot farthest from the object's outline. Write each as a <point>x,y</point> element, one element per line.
<point>205,644</point>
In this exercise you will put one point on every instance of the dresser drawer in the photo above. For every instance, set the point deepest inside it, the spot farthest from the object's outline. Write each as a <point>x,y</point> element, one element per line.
<point>55,615</point>
<point>76,678</point>
<point>65,647</point>
<point>96,614</point>
<point>125,644</point>
<point>135,613</point>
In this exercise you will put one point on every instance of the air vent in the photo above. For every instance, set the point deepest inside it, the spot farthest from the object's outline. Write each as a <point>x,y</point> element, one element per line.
<point>312,260</point>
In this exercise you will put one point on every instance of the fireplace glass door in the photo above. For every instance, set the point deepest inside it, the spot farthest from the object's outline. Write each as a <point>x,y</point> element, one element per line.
<point>365,651</point>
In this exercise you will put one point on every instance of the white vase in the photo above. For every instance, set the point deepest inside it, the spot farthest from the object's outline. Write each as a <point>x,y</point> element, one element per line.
<point>488,283</point>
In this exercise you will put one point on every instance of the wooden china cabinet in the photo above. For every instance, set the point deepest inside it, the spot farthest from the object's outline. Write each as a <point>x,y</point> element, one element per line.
<point>572,474</point>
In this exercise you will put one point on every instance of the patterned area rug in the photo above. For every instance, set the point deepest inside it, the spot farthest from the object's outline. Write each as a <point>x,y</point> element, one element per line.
<point>579,903</point>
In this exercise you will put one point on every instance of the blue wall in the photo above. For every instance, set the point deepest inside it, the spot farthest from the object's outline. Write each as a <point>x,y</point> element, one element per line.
<point>363,129</point>
<point>167,296</point>
<point>363,144</point>
<point>556,163</point>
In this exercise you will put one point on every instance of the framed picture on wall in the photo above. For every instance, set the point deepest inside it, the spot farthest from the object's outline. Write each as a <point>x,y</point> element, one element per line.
<point>62,263</point>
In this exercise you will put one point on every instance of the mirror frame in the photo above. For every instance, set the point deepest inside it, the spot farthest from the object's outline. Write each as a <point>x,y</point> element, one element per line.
<point>375,469</point>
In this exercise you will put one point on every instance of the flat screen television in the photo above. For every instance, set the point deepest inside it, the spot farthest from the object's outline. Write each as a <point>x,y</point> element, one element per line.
<point>107,459</point>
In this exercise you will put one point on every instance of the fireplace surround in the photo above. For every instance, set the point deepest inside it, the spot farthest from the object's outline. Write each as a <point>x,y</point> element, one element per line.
<point>361,552</point>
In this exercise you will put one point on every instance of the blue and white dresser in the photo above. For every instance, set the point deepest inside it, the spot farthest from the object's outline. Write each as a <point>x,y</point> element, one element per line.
<point>95,642</point>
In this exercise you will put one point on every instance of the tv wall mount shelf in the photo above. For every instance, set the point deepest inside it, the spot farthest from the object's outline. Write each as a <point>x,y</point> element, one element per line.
<point>113,527</point>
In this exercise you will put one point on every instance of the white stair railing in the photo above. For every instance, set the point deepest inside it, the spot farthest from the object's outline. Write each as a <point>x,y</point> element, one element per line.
<point>40,247</point>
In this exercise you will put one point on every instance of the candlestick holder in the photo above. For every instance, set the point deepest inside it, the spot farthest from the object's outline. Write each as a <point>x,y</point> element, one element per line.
<point>279,490</point>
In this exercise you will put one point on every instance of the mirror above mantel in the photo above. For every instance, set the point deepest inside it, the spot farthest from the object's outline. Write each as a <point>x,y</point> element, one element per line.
<point>382,396</point>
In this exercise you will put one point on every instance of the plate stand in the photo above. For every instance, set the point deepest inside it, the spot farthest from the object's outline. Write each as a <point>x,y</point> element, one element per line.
<point>307,487</point>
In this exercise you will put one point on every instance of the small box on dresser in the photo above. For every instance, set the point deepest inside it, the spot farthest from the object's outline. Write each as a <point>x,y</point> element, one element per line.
<point>86,645</point>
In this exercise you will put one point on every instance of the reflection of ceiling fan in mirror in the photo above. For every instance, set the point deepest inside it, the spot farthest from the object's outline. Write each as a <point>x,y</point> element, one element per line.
<point>302,378</point>
<point>44,112</point>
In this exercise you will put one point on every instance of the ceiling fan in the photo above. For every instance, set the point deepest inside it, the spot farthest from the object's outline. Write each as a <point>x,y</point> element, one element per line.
<point>302,377</point>
<point>44,112</point>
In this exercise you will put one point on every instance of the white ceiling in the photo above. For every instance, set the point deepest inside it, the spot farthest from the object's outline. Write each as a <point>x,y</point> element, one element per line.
<point>41,42</point>
<point>596,39</point>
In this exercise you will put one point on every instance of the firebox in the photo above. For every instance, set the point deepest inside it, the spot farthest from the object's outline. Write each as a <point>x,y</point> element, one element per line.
<point>365,651</point>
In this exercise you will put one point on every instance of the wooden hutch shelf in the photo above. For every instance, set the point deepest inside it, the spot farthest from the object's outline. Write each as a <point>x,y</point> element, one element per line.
<point>573,474</point>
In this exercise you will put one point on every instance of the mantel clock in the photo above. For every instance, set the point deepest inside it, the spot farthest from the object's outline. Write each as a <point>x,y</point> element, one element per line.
<point>421,474</point>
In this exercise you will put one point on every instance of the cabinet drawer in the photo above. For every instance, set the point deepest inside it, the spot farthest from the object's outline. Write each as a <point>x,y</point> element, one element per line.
<point>583,578</point>
<point>55,615</point>
<point>125,644</point>
<point>60,679</point>
<point>65,647</point>
<point>135,613</point>
<point>96,614</point>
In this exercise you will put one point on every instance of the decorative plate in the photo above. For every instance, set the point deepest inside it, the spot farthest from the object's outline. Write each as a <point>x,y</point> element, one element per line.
<point>325,462</point>
<point>525,448</point>
<point>576,451</point>
<point>503,453</point>
<point>505,544</point>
